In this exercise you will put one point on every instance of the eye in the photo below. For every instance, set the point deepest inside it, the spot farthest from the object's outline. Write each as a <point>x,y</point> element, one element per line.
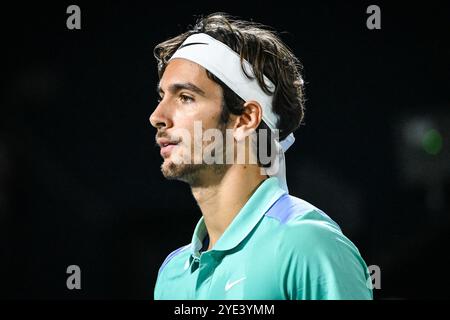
<point>186,99</point>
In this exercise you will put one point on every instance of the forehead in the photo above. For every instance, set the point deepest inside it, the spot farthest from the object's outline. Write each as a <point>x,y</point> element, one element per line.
<point>184,71</point>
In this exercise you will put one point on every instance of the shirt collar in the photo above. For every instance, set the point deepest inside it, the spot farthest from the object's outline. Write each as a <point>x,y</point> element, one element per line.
<point>244,222</point>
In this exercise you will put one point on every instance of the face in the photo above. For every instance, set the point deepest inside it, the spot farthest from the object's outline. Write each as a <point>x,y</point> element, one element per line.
<point>188,99</point>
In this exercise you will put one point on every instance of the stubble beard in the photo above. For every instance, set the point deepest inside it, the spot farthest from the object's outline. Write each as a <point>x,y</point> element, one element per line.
<point>195,174</point>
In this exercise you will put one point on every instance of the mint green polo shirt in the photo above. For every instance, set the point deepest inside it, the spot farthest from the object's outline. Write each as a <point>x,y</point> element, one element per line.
<point>277,247</point>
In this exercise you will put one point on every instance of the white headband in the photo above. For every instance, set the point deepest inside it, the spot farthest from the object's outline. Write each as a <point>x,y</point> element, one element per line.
<point>225,64</point>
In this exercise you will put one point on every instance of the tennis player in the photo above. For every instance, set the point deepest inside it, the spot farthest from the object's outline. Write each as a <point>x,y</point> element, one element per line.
<point>254,240</point>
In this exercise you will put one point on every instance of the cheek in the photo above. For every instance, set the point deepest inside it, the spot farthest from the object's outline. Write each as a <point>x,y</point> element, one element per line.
<point>198,118</point>
<point>205,120</point>
<point>211,119</point>
<point>184,118</point>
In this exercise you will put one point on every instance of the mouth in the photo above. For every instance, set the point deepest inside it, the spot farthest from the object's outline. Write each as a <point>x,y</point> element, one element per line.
<point>166,148</point>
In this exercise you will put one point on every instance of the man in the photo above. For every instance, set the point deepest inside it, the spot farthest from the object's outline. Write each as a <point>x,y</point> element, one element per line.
<point>254,240</point>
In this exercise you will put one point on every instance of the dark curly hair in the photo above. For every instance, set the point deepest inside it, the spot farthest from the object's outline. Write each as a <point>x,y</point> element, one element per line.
<point>267,54</point>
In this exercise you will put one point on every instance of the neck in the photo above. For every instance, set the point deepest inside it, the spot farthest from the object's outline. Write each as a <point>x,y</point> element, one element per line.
<point>221,200</point>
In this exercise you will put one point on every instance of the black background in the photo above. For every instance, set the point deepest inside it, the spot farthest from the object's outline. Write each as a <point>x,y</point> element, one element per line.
<point>79,173</point>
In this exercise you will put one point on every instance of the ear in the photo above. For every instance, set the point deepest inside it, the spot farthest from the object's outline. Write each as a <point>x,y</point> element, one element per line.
<point>248,121</point>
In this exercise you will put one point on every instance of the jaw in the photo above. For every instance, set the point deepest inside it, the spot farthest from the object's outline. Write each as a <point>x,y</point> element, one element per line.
<point>196,175</point>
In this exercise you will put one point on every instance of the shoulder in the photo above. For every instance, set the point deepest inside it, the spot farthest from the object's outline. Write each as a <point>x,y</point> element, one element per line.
<point>306,230</point>
<point>294,213</point>
<point>173,255</point>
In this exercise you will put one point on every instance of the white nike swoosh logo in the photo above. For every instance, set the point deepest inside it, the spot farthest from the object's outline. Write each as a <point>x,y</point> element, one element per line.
<point>229,284</point>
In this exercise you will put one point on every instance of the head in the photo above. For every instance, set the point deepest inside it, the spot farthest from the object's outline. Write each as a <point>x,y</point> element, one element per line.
<point>191,93</point>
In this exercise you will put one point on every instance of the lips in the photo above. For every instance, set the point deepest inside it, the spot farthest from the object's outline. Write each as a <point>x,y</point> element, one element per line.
<point>166,146</point>
<point>166,150</point>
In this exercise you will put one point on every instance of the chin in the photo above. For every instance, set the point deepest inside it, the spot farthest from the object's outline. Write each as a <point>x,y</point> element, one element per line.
<point>182,172</point>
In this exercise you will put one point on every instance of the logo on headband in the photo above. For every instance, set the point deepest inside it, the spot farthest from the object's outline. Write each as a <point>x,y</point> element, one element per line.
<point>191,44</point>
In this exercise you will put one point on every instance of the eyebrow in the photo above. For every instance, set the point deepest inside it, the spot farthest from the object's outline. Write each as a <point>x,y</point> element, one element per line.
<point>175,87</point>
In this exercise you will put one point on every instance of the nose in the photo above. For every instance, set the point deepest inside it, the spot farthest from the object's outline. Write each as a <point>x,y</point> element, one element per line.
<point>160,117</point>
